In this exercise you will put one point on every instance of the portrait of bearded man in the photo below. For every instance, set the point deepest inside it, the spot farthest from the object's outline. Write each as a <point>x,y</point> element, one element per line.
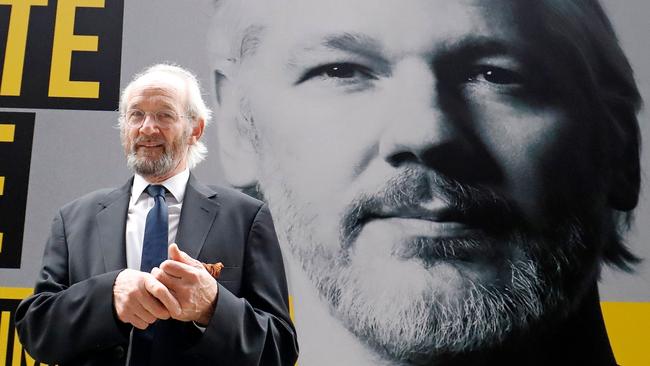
<point>447,177</point>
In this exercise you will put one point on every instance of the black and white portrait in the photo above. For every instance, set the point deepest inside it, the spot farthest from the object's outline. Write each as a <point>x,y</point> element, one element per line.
<point>447,177</point>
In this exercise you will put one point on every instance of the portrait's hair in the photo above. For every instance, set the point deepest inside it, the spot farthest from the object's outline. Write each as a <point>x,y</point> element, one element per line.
<point>584,52</point>
<point>195,108</point>
<point>598,84</point>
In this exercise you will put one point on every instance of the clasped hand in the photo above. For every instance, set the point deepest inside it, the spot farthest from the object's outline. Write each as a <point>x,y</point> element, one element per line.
<point>180,289</point>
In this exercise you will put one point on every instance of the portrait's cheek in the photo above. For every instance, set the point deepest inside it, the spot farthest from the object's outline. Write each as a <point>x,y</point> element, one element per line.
<point>319,147</point>
<point>541,152</point>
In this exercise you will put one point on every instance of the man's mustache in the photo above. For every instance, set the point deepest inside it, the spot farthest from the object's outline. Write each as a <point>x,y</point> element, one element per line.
<point>410,190</point>
<point>147,140</point>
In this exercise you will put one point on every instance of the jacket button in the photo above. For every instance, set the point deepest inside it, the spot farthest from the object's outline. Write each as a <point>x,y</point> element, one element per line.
<point>119,352</point>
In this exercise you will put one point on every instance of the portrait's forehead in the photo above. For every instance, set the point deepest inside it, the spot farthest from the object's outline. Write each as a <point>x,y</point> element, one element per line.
<point>344,9</point>
<point>241,27</point>
<point>393,26</point>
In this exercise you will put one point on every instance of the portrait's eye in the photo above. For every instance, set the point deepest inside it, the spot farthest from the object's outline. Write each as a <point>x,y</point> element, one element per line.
<point>496,75</point>
<point>344,72</point>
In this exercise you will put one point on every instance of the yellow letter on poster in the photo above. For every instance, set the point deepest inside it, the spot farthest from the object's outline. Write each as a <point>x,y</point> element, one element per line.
<point>7,133</point>
<point>12,71</point>
<point>5,317</point>
<point>18,353</point>
<point>65,42</point>
<point>2,191</point>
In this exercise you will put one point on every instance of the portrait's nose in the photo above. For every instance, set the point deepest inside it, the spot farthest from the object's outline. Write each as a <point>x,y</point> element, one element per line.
<point>419,128</point>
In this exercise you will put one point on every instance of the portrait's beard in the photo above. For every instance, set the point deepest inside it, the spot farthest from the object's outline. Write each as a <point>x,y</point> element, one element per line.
<point>150,166</point>
<point>395,296</point>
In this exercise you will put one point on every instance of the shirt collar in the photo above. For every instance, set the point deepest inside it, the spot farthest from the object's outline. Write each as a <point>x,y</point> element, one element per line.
<point>175,185</point>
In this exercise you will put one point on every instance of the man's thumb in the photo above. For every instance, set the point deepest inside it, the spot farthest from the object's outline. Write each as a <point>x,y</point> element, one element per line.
<point>174,253</point>
<point>180,256</point>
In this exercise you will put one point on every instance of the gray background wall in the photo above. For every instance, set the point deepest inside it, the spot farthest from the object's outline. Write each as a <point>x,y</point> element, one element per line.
<point>75,152</point>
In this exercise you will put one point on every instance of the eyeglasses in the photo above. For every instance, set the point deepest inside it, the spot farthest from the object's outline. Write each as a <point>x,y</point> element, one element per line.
<point>163,118</point>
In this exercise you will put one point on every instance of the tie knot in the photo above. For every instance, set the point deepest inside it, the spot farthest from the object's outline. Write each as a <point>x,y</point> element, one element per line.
<point>155,190</point>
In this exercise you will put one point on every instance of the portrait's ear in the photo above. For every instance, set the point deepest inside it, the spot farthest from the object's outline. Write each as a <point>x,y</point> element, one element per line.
<point>625,179</point>
<point>236,148</point>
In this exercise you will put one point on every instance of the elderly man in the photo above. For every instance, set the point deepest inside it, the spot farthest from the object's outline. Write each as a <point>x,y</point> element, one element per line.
<point>449,176</point>
<point>104,297</point>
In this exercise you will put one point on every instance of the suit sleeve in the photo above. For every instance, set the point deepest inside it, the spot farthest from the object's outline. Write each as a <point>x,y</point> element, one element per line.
<point>61,321</point>
<point>255,329</point>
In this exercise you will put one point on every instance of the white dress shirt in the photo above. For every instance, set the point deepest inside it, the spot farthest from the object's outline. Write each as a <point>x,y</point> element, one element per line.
<point>139,207</point>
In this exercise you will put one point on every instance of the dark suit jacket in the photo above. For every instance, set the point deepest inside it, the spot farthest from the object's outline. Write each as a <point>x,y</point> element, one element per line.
<point>70,319</point>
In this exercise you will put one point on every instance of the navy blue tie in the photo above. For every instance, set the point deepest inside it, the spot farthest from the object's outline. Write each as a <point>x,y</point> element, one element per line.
<point>154,248</point>
<point>154,252</point>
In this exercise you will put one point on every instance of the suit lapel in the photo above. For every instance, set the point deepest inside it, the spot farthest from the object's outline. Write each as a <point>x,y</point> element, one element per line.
<point>199,210</point>
<point>111,226</point>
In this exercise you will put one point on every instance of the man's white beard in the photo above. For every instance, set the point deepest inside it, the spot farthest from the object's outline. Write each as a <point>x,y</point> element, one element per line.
<point>148,167</point>
<point>411,321</point>
<point>168,160</point>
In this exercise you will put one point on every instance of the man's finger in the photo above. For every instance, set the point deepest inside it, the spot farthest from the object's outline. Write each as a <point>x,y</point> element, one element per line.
<point>152,308</point>
<point>141,313</point>
<point>171,282</point>
<point>160,292</point>
<point>178,269</point>
<point>138,322</point>
<point>180,256</point>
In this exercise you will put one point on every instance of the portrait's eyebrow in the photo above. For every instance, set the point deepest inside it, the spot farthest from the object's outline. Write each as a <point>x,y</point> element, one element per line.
<point>477,46</point>
<point>355,43</point>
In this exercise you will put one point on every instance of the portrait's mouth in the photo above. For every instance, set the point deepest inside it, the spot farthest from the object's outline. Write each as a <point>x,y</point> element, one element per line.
<point>429,218</point>
<point>425,220</point>
<point>428,235</point>
<point>422,226</point>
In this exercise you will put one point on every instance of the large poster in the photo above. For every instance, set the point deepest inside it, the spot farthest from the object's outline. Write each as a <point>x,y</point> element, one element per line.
<point>349,146</point>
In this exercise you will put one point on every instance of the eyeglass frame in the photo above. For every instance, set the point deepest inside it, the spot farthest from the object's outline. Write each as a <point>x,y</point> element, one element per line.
<point>154,115</point>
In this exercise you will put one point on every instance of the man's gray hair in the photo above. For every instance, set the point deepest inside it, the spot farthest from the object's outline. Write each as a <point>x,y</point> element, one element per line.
<point>195,108</point>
